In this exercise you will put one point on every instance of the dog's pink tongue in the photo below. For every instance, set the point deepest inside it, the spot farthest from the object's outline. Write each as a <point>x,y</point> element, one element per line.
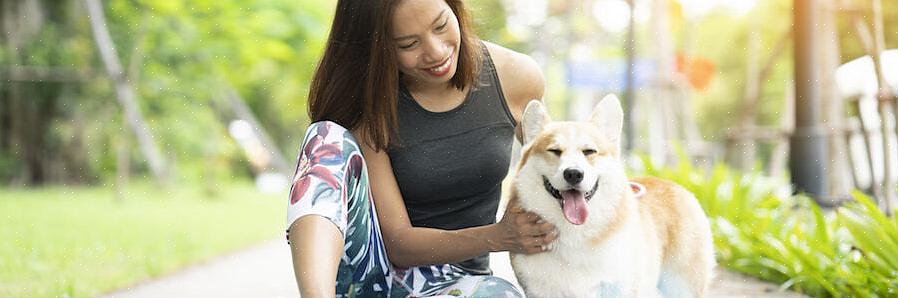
<point>574,205</point>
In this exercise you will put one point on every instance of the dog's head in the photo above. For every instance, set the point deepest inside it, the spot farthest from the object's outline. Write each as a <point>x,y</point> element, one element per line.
<point>571,169</point>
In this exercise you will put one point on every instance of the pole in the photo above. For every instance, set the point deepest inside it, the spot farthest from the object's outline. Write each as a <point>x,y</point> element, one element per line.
<point>808,150</point>
<point>629,76</point>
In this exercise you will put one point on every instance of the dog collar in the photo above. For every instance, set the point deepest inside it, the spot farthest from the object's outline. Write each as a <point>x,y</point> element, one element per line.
<point>638,189</point>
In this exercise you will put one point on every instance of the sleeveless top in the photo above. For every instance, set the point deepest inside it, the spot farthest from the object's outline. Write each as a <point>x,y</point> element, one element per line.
<point>450,165</point>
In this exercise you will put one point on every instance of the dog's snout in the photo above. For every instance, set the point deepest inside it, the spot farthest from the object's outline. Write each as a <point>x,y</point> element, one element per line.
<point>573,175</point>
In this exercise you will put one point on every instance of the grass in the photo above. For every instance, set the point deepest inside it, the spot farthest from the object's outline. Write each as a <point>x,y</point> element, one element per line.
<point>81,242</point>
<point>761,231</point>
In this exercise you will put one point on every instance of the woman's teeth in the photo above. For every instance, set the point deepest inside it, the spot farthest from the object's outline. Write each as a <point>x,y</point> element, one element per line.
<point>441,68</point>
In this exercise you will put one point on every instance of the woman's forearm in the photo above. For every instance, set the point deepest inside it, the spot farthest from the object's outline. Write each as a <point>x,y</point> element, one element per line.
<point>426,246</point>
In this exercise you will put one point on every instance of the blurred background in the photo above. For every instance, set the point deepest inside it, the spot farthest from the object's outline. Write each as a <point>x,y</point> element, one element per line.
<point>138,137</point>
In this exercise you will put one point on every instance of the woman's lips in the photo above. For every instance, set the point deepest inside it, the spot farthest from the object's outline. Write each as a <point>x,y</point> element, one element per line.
<point>442,69</point>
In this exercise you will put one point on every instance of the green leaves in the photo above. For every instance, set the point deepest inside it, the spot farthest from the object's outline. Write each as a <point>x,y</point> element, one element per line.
<point>790,239</point>
<point>178,56</point>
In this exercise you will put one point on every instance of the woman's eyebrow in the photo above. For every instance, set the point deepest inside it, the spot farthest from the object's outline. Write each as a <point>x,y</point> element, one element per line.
<point>440,16</point>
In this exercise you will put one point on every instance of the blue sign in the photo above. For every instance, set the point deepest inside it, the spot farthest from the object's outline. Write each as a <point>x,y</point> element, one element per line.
<point>607,74</point>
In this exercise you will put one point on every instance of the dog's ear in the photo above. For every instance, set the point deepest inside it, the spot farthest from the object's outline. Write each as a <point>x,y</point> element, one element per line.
<point>609,117</point>
<point>535,117</point>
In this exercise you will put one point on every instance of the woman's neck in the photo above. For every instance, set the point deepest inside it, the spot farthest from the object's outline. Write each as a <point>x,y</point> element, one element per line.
<point>419,87</point>
<point>435,97</point>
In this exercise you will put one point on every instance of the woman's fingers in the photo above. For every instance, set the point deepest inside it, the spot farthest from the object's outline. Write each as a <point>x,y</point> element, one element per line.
<point>550,237</point>
<point>546,228</point>
<point>540,229</point>
<point>541,243</point>
<point>526,218</point>
<point>535,235</point>
<point>537,244</point>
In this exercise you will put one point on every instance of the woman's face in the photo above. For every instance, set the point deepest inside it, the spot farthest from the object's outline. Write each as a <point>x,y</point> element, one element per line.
<point>427,38</point>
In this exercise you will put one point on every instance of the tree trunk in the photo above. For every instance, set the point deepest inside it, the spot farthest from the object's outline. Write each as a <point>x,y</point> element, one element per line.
<point>242,111</point>
<point>780,157</point>
<point>122,165</point>
<point>884,96</point>
<point>125,93</point>
<point>665,120</point>
<point>30,105</point>
<point>833,108</point>
<point>745,149</point>
<point>13,91</point>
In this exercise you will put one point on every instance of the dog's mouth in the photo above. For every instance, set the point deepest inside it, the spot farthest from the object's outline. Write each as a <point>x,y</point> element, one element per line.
<point>557,193</point>
<point>573,202</point>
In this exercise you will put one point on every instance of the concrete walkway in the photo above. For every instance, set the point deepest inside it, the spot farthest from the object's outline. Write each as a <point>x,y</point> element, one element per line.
<point>265,271</point>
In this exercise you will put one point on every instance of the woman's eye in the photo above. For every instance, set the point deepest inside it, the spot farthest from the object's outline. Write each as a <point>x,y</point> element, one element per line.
<point>406,46</point>
<point>557,152</point>
<point>443,26</point>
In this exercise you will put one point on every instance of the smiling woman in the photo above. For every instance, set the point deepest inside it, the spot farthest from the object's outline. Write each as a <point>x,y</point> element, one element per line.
<point>414,117</point>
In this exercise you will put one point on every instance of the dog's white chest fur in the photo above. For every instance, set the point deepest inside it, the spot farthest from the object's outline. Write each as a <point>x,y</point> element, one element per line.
<point>619,267</point>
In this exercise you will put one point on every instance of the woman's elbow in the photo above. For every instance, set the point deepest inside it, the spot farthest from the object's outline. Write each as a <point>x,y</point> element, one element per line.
<point>399,255</point>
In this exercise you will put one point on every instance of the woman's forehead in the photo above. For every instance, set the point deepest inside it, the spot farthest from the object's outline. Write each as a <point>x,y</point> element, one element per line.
<point>411,15</point>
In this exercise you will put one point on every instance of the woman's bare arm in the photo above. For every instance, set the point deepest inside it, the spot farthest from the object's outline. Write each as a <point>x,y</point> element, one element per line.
<point>521,80</point>
<point>409,246</point>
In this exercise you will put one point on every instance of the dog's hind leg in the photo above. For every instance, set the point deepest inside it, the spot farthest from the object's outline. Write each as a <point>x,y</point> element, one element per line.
<point>687,277</point>
<point>671,284</point>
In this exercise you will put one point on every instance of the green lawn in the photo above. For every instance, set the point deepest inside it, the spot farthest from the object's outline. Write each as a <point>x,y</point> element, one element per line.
<point>81,242</point>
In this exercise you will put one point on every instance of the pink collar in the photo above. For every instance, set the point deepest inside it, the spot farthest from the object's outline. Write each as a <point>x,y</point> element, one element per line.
<point>638,189</point>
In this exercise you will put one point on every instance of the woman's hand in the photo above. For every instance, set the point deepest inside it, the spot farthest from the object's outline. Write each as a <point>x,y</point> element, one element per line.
<point>523,232</point>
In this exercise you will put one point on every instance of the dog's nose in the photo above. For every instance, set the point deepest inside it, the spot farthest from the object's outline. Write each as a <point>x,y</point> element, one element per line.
<point>573,175</point>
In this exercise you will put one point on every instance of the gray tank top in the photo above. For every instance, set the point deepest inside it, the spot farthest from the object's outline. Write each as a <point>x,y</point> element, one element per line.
<point>450,165</point>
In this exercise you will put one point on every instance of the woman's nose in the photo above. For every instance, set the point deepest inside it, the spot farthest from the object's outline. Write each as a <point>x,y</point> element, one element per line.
<point>434,51</point>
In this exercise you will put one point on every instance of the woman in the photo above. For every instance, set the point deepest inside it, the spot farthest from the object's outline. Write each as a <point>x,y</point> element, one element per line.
<point>412,117</point>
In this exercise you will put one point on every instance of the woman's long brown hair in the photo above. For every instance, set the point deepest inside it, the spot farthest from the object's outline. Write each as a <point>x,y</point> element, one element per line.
<point>356,82</point>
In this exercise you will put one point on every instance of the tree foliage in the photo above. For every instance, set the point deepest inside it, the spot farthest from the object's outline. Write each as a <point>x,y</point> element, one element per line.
<point>179,57</point>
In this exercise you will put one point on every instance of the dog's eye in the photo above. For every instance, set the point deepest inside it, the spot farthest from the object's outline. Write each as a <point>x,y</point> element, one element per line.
<point>588,152</point>
<point>557,152</point>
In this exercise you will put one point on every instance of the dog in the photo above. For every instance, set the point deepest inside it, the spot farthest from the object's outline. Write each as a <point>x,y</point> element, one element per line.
<point>612,242</point>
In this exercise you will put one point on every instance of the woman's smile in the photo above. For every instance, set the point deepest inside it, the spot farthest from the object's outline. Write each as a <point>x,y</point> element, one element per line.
<point>441,69</point>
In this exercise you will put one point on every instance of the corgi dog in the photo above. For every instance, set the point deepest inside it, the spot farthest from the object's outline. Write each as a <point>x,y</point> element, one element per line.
<point>617,237</point>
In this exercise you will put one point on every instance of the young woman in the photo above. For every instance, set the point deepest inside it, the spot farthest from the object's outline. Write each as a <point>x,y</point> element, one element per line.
<point>412,117</point>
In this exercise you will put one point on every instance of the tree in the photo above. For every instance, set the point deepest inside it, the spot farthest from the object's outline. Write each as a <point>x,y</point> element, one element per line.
<point>125,93</point>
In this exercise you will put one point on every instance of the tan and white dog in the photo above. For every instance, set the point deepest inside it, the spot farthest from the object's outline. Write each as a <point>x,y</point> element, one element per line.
<point>611,243</point>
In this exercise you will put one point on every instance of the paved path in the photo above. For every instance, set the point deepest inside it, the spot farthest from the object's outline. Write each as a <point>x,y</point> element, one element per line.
<point>260,271</point>
<point>265,271</point>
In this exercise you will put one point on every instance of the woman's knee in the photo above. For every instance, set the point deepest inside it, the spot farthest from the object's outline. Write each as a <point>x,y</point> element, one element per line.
<point>328,132</point>
<point>324,128</point>
<point>328,155</point>
<point>325,123</point>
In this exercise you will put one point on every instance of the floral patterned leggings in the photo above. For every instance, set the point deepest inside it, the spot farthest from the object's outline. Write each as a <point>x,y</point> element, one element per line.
<point>331,181</point>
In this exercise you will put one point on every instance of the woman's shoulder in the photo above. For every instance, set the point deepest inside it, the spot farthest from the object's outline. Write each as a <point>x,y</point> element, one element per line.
<point>520,75</point>
<point>507,58</point>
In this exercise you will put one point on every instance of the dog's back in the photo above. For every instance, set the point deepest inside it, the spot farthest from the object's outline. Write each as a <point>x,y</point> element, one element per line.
<point>680,225</point>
